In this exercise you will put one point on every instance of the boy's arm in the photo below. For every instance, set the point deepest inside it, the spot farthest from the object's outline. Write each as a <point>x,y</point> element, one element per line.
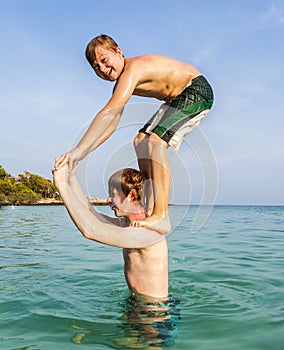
<point>93,225</point>
<point>105,122</point>
<point>76,188</point>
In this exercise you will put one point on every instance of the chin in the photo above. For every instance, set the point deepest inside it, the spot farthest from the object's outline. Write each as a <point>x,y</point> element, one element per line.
<point>111,79</point>
<point>116,213</point>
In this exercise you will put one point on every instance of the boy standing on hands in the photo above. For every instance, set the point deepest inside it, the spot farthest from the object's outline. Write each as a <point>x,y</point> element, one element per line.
<point>188,98</point>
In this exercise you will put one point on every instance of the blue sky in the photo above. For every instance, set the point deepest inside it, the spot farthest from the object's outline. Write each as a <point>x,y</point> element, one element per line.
<point>48,92</point>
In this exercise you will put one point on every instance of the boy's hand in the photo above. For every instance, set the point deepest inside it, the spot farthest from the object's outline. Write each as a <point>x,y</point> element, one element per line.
<point>60,162</point>
<point>70,158</point>
<point>62,174</point>
<point>59,176</point>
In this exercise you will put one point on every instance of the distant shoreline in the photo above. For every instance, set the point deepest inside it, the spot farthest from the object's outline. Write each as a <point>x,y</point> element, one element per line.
<point>50,201</point>
<point>102,202</point>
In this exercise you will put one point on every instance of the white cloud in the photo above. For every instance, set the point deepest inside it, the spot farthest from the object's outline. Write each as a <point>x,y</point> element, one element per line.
<point>274,15</point>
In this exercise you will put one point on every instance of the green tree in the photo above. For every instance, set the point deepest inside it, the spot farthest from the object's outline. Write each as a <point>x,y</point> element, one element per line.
<point>38,184</point>
<point>3,173</point>
<point>25,189</point>
<point>7,186</point>
<point>25,194</point>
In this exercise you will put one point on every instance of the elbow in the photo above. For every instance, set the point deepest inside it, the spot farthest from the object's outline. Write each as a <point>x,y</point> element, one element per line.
<point>87,235</point>
<point>85,232</point>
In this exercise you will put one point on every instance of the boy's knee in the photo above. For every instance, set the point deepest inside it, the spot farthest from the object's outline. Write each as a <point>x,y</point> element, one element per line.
<point>151,142</point>
<point>155,140</point>
<point>139,138</point>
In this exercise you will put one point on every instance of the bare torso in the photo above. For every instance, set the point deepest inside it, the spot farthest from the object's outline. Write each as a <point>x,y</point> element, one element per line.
<point>151,76</point>
<point>146,270</point>
<point>159,76</point>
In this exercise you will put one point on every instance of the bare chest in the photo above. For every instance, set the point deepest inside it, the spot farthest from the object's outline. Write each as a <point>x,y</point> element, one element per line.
<point>145,259</point>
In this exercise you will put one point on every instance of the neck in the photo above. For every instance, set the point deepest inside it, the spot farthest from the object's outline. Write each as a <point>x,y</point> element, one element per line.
<point>139,216</point>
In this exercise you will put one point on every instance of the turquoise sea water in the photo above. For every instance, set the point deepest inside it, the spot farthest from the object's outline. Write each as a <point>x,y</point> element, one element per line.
<point>61,291</point>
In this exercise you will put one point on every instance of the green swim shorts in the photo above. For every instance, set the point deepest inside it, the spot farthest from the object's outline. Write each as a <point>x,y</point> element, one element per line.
<point>173,121</point>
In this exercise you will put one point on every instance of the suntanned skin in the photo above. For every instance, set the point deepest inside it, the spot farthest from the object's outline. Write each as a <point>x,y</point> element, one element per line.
<point>145,252</point>
<point>151,76</point>
<point>145,269</point>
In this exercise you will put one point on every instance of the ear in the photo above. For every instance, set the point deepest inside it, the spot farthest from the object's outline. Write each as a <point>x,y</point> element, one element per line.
<point>132,195</point>
<point>118,50</point>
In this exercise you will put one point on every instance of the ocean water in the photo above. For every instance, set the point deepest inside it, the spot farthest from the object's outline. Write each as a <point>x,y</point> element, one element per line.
<point>61,291</point>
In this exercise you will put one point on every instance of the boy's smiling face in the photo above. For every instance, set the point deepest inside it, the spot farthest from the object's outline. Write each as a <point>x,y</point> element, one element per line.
<point>108,64</point>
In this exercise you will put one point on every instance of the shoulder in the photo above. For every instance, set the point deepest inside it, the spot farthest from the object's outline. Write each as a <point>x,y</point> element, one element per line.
<point>145,58</point>
<point>135,67</point>
<point>150,62</point>
<point>137,61</point>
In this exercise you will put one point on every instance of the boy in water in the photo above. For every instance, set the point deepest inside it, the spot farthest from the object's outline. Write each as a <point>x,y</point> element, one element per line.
<point>145,253</point>
<point>150,310</point>
<point>188,98</point>
<point>146,269</point>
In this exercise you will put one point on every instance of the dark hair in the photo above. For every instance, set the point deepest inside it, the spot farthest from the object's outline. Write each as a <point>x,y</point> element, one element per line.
<point>103,40</point>
<point>125,180</point>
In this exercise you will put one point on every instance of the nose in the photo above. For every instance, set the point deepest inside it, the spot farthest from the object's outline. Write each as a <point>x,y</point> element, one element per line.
<point>100,68</point>
<point>109,200</point>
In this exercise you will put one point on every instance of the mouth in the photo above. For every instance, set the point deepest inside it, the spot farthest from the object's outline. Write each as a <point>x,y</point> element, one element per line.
<point>115,210</point>
<point>107,73</point>
<point>113,207</point>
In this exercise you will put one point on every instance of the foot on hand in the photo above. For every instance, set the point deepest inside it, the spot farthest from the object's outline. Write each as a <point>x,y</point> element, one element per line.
<point>160,224</point>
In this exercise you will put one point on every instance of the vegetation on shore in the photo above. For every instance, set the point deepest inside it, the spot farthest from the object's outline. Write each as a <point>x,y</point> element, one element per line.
<point>26,189</point>
<point>31,189</point>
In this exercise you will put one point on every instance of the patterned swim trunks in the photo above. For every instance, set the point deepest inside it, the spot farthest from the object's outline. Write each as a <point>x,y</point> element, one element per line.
<point>173,121</point>
<point>154,322</point>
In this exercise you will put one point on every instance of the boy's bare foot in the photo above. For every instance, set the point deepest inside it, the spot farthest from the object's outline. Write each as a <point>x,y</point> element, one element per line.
<point>159,224</point>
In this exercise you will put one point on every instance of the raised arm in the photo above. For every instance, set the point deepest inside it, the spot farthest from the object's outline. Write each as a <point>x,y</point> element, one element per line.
<point>105,122</point>
<point>93,225</point>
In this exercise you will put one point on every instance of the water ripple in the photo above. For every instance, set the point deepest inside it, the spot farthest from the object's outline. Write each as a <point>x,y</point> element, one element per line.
<point>58,290</point>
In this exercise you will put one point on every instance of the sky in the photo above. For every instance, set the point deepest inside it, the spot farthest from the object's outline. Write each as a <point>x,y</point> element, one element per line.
<point>49,93</point>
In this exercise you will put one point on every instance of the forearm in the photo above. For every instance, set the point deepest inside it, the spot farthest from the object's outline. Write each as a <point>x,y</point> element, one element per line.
<point>67,185</point>
<point>75,188</point>
<point>93,225</point>
<point>101,128</point>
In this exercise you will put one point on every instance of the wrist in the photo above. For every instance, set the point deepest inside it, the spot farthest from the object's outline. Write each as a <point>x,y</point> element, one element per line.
<point>79,152</point>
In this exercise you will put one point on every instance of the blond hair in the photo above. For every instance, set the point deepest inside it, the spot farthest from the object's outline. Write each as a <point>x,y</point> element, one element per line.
<point>104,40</point>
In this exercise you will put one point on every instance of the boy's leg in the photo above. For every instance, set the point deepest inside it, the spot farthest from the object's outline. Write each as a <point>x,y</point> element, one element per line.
<point>153,152</point>
<point>141,144</point>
